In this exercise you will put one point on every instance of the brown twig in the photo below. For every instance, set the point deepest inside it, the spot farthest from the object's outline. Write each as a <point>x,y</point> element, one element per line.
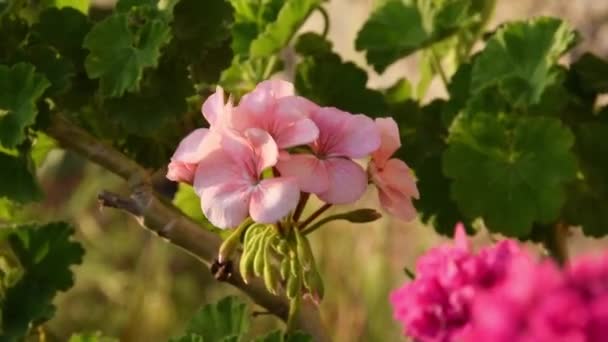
<point>167,221</point>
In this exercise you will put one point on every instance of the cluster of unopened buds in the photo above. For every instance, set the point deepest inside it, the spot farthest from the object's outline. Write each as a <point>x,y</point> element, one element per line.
<point>503,293</point>
<point>258,163</point>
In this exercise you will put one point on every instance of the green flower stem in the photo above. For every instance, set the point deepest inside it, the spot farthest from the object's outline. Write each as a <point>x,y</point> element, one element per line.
<point>325,15</point>
<point>437,65</point>
<point>314,215</point>
<point>300,208</point>
<point>294,306</point>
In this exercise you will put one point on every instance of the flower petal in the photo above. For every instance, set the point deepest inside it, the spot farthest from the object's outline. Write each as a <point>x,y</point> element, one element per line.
<point>308,170</point>
<point>265,148</point>
<point>254,150</point>
<point>291,125</point>
<point>226,205</point>
<point>181,172</point>
<point>191,148</point>
<point>389,140</point>
<point>397,204</point>
<point>347,181</point>
<point>398,176</point>
<point>359,138</point>
<point>218,168</point>
<point>213,108</point>
<point>272,199</point>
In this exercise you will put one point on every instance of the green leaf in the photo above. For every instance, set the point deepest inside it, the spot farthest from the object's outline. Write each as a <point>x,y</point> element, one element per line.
<point>43,144</point>
<point>64,29</point>
<point>251,18</point>
<point>201,31</point>
<point>188,338</point>
<point>227,320</point>
<point>91,337</point>
<point>13,32</point>
<point>400,27</point>
<point>20,88</point>
<point>277,34</point>
<point>592,73</point>
<point>45,253</point>
<point>511,171</point>
<point>58,70</point>
<point>589,194</point>
<point>19,182</point>
<point>521,59</point>
<point>279,336</point>
<point>119,53</point>
<point>327,80</point>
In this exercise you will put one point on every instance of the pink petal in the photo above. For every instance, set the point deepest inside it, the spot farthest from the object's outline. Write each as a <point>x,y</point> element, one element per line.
<point>278,88</point>
<point>191,149</point>
<point>226,205</point>
<point>263,98</point>
<point>359,138</point>
<point>213,107</point>
<point>254,151</point>
<point>181,172</point>
<point>398,205</point>
<point>291,125</point>
<point>265,148</point>
<point>308,170</point>
<point>347,181</point>
<point>219,168</point>
<point>460,237</point>
<point>389,140</point>
<point>398,176</point>
<point>272,199</point>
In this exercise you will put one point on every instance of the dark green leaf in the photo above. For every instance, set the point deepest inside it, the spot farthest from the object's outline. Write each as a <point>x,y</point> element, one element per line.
<point>277,34</point>
<point>120,53</point>
<point>64,29</point>
<point>45,253</point>
<point>57,69</point>
<point>19,181</point>
<point>227,320</point>
<point>400,27</point>
<point>589,194</point>
<point>20,88</point>
<point>251,18</point>
<point>521,59</point>
<point>13,31</point>
<point>327,80</point>
<point>592,73</point>
<point>202,38</point>
<point>511,171</point>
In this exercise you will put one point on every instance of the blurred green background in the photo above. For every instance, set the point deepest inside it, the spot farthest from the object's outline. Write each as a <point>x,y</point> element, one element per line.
<point>134,286</point>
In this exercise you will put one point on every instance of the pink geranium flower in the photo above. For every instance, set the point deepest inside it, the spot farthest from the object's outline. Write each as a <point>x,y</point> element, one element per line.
<point>187,156</point>
<point>436,306</point>
<point>272,106</point>
<point>229,181</point>
<point>330,171</point>
<point>193,147</point>
<point>394,179</point>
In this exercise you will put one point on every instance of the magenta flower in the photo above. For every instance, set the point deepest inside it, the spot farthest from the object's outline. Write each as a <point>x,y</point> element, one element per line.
<point>394,179</point>
<point>272,106</point>
<point>229,181</point>
<point>330,171</point>
<point>533,302</point>
<point>436,306</point>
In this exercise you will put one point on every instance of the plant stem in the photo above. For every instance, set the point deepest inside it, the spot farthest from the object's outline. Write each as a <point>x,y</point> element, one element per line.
<point>300,208</point>
<point>314,215</point>
<point>556,242</point>
<point>159,216</point>
<point>437,64</point>
<point>325,20</point>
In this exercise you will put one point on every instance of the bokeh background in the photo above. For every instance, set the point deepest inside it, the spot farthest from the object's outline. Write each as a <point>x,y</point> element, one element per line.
<point>134,286</point>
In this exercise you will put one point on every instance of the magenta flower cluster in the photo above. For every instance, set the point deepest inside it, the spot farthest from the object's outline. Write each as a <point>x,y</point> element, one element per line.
<point>503,294</point>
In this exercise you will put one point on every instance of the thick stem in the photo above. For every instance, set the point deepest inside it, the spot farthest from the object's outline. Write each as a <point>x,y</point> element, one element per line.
<point>168,222</point>
<point>556,242</point>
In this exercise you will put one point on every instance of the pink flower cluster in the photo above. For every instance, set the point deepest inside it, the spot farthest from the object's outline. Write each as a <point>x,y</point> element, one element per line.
<point>437,305</point>
<point>503,294</point>
<point>257,157</point>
